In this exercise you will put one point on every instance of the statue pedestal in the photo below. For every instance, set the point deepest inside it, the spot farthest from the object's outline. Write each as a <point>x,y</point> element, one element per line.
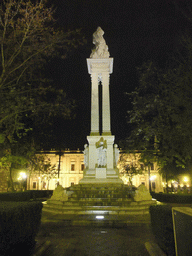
<point>101,161</point>
<point>101,173</point>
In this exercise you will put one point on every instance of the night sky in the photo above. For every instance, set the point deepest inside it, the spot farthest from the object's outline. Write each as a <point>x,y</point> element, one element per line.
<point>136,31</point>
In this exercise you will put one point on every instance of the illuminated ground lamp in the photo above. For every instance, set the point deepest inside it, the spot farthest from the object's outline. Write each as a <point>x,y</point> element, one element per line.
<point>99,217</point>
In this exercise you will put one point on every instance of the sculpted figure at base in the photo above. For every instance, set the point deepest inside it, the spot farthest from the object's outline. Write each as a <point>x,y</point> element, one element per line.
<point>59,194</point>
<point>86,155</point>
<point>101,153</point>
<point>101,49</point>
<point>116,154</point>
<point>142,194</point>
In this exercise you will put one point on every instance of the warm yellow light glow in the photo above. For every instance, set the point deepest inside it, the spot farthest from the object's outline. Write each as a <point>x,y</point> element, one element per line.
<point>185,179</point>
<point>153,177</point>
<point>23,175</point>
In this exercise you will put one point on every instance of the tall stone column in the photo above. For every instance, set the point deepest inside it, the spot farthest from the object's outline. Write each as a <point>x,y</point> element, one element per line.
<point>94,105</point>
<point>100,167</point>
<point>106,117</point>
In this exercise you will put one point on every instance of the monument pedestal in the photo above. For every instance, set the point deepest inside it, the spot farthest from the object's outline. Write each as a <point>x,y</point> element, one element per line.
<point>100,161</point>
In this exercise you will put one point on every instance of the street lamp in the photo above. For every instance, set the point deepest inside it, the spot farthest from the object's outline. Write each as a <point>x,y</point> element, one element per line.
<point>22,178</point>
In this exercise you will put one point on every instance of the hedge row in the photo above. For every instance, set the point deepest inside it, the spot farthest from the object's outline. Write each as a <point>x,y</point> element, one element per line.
<point>26,195</point>
<point>19,224</point>
<point>162,227</point>
<point>172,198</point>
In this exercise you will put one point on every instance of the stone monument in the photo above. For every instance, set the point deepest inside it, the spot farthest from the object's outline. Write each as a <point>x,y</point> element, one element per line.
<point>100,191</point>
<point>100,154</point>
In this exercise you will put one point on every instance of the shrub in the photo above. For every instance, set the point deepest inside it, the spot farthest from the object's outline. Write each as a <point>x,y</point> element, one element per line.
<point>19,224</point>
<point>26,195</point>
<point>162,226</point>
<point>35,194</point>
<point>15,196</point>
<point>172,198</point>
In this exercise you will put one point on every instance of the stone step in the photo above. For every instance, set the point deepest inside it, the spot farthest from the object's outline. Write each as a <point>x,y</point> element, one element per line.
<point>108,220</point>
<point>132,210</point>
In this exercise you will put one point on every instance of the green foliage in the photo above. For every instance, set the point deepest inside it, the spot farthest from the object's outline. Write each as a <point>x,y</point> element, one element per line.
<point>20,222</point>
<point>28,99</point>
<point>25,196</point>
<point>172,198</point>
<point>162,110</point>
<point>129,168</point>
<point>16,197</point>
<point>40,165</point>
<point>28,38</point>
<point>162,226</point>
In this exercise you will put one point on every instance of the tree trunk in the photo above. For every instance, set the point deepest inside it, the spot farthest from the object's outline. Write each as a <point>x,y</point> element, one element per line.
<point>11,179</point>
<point>166,183</point>
<point>149,175</point>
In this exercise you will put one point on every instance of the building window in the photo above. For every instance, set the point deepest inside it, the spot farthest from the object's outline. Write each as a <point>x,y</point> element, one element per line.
<point>34,185</point>
<point>72,184</point>
<point>82,167</point>
<point>72,167</point>
<point>152,166</point>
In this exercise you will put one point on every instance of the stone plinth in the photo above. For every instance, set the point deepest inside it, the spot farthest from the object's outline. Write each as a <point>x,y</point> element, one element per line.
<point>101,161</point>
<point>93,199</point>
<point>101,173</point>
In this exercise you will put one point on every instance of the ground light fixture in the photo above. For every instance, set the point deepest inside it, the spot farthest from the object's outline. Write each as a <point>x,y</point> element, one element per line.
<point>99,217</point>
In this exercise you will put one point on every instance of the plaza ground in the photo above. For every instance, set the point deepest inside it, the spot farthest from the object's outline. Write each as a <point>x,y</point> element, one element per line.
<point>62,235</point>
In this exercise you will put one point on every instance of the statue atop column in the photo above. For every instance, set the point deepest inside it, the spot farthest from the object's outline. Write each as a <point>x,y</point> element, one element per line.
<point>101,49</point>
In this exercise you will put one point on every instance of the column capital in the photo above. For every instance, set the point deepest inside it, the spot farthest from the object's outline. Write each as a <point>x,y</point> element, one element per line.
<point>100,65</point>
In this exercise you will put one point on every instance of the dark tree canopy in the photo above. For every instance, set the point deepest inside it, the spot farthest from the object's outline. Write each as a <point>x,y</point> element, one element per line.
<point>162,110</point>
<point>29,38</point>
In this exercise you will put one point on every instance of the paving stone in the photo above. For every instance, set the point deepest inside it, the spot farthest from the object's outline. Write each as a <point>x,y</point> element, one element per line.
<point>69,240</point>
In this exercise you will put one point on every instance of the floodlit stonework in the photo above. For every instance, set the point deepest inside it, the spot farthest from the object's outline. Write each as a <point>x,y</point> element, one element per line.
<point>100,151</point>
<point>72,166</point>
<point>99,162</point>
<point>71,170</point>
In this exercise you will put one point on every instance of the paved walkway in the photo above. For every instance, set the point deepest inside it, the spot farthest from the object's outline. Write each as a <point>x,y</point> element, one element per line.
<point>93,239</point>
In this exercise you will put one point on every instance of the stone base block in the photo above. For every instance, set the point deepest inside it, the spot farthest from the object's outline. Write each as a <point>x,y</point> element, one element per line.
<point>100,181</point>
